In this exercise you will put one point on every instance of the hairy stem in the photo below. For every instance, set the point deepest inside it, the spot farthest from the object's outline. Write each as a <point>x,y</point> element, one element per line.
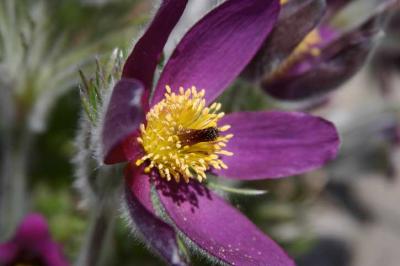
<point>97,248</point>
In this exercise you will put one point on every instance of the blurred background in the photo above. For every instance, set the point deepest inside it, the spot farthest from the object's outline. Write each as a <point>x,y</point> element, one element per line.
<point>345,214</point>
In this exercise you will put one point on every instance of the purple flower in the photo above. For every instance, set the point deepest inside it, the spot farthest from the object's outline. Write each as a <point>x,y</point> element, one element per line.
<point>174,138</point>
<point>32,245</point>
<point>293,67</point>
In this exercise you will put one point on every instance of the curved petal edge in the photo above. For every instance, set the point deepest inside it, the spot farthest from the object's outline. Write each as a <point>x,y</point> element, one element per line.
<point>123,116</point>
<point>214,52</point>
<point>158,235</point>
<point>277,144</point>
<point>217,228</point>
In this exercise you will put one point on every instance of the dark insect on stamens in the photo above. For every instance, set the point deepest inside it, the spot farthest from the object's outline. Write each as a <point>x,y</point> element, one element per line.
<point>193,136</point>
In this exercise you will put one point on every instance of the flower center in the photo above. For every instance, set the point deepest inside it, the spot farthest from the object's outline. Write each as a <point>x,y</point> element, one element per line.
<point>182,138</point>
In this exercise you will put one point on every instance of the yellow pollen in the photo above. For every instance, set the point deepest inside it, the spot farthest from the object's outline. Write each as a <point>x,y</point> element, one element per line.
<point>283,2</point>
<point>308,47</point>
<point>309,43</point>
<point>182,138</point>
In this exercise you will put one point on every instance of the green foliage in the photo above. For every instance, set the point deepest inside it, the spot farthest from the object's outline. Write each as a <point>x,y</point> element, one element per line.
<point>93,90</point>
<point>43,44</point>
<point>236,190</point>
<point>66,224</point>
<point>244,96</point>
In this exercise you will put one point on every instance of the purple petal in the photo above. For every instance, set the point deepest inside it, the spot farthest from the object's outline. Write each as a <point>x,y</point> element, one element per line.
<point>32,241</point>
<point>33,228</point>
<point>123,117</point>
<point>214,52</point>
<point>52,255</point>
<point>143,60</point>
<point>33,236</point>
<point>307,60</point>
<point>8,253</point>
<point>341,58</point>
<point>277,144</point>
<point>140,185</point>
<point>217,228</point>
<point>305,14</point>
<point>157,234</point>
<point>321,79</point>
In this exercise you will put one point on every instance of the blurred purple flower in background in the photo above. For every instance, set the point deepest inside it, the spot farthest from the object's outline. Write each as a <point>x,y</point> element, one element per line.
<point>173,135</point>
<point>32,245</point>
<point>308,55</point>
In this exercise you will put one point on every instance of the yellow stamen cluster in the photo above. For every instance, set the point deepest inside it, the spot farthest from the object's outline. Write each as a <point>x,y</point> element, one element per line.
<point>309,46</point>
<point>283,2</point>
<point>181,137</point>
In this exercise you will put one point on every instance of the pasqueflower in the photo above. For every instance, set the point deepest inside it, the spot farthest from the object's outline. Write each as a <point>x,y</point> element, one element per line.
<point>32,245</point>
<point>308,55</point>
<point>172,137</point>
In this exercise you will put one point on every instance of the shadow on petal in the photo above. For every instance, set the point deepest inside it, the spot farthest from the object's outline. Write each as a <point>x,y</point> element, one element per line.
<point>158,235</point>
<point>184,194</point>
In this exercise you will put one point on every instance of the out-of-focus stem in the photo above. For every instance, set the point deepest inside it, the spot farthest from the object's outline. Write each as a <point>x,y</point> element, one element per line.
<point>97,247</point>
<point>14,165</point>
